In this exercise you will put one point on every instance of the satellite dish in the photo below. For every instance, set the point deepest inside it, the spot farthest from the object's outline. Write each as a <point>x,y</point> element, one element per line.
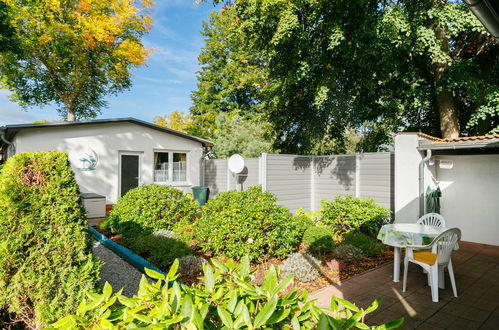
<point>236,163</point>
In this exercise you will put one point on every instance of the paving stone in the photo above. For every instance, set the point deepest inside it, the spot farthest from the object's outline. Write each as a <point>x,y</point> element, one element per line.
<point>477,304</point>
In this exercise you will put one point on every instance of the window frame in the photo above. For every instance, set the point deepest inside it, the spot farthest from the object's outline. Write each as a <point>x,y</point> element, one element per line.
<point>170,181</point>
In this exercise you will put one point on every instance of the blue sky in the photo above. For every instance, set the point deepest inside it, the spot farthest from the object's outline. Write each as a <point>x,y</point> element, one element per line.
<point>158,89</point>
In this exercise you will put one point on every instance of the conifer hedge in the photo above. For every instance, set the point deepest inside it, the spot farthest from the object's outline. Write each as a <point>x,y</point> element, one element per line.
<point>46,264</point>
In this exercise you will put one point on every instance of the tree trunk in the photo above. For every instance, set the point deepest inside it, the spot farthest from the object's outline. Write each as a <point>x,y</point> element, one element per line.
<point>446,105</point>
<point>70,115</point>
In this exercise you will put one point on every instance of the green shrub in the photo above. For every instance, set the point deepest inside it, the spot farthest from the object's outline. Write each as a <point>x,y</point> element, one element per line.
<point>225,299</point>
<point>318,240</point>
<point>150,208</point>
<point>158,250</point>
<point>347,213</point>
<point>46,263</point>
<point>234,224</point>
<point>104,224</point>
<point>369,245</point>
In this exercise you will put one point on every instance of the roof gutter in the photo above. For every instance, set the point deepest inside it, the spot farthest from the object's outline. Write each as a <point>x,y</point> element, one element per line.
<point>487,14</point>
<point>455,147</point>
<point>7,142</point>
<point>421,182</point>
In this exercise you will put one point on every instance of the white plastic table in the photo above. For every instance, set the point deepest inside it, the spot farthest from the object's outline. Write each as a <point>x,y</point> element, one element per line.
<point>400,235</point>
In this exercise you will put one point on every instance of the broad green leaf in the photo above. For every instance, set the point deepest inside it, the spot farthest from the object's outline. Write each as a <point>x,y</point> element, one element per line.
<point>173,270</point>
<point>66,322</point>
<point>225,317</point>
<point>209,279</point>
<point>244,266</point>
<point>231,305</point>
<point>266,312</point>
<point>295,323</point>
<point>270,279</point>
<point>154,274</point>
<point>373,306</point>
<point>393,324</point>
<point>107,290</point>
<point>219,265</point>
<point>323,323</point>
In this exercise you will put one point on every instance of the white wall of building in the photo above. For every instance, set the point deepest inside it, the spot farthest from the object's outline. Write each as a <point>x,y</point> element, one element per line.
<point>470,193</point>
<point>469,189</point>
<point>407,159</point>
<point>108,140</point>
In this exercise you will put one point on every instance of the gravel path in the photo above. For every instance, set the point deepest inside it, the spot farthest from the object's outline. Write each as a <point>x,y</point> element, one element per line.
<point>116,271</point>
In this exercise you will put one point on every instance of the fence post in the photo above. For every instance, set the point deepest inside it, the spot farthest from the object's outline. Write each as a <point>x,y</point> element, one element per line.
<point>262,171</point>
<point>357,175</point>
<point>312,183</point>
<point>228,175</point>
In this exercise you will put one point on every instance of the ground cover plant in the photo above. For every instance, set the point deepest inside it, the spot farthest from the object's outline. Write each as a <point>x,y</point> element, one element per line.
<point>234,224</point>
<point>46,264</point>
<point>224,299</point>
<point>369,245</point>
<point>149,208</point>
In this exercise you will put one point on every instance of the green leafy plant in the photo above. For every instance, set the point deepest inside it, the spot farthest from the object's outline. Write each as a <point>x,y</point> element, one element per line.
<point>348,213</point>
<point>46,262</point>
<point>225,299</point>
<point>347,252</point>
<point>158,250</point>
<point>150,208</point>
<point>302,266</point>
<point>103,224</point>
<point>318,240</point>
<point>369,245</point>
<point>234,224</point>
<point>312,217</point>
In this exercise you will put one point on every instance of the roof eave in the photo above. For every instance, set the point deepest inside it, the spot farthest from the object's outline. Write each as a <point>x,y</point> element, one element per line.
<point>450,146</point>
<point>487,14</point>
<point>13,129</point>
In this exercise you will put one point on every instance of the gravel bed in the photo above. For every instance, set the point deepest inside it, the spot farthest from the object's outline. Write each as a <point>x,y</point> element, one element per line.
<point>116,271</point>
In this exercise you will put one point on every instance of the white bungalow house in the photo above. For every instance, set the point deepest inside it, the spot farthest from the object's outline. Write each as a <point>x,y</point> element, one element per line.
<point>111,156</point>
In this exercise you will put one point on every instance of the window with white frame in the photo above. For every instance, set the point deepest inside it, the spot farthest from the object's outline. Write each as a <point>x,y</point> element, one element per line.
<point>170,166</point>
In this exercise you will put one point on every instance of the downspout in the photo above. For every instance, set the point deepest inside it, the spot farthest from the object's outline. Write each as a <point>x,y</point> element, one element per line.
<point>421,182</point>
<point>7,142</point>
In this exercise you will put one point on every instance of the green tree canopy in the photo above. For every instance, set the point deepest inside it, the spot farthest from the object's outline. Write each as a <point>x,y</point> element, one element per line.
<point>324,67</point>
<point>71,52</point>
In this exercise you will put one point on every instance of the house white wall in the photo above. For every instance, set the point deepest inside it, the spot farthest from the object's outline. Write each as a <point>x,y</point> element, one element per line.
<point>108,140</point>
<point>470,193</point>
<point>469,190</point>
<point>407,159</point>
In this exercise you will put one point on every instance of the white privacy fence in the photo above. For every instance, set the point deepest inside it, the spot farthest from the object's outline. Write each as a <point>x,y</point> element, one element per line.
<point>303,181</point>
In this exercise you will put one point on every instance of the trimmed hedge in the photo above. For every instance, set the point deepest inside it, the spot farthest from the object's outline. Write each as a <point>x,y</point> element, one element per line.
<point>46,263</point>
<point>234,224</point>
<point>150,208</point>
<point>318,240</point>
<point>347,213</point>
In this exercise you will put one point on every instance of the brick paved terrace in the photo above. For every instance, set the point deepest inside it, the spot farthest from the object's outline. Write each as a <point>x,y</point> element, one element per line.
<point>476,268</point>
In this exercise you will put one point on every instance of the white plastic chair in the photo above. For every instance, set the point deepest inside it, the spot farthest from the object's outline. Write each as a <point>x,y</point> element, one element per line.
<point>435,261</point>
<point>432,219</point>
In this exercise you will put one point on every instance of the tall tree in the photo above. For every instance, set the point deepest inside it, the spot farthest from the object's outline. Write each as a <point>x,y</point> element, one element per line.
<point>375,66</point>
<point>72,52</point>
<point>176,120</point>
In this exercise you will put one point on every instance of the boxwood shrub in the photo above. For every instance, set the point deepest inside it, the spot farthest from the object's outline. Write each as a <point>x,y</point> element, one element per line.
<point>318,240</point>
<point>150,208</point>
<point>348,213</point>
<point>46,263</point>
<point>234,224</point>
